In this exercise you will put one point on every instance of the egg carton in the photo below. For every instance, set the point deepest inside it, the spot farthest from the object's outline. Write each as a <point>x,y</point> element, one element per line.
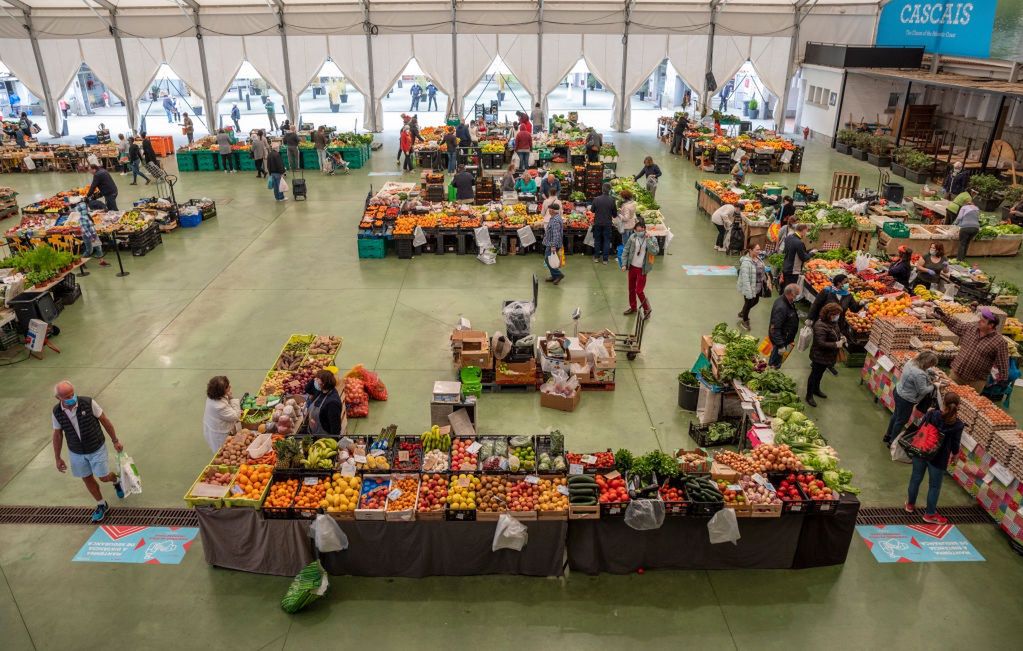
<point>1005,444</point>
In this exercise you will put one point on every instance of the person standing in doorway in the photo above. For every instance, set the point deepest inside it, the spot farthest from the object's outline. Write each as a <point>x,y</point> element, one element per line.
<point>431,97</point>
<point>638,259</point>
<point>224,148</point>
<point>259,149</point>
<point>291,142</point>
<point>135,159</point>
<point>416,93</point>
<point>604,213</point>
<point>80,421</point>
<point>188,128</point>
<point>236,115</point>
<point>275,168</point>
<point>271,114</point>
<point>320,143</point>
<point>536,117</point>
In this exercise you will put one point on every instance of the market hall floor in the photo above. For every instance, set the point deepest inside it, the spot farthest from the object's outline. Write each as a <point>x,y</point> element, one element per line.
<point>223,297</point>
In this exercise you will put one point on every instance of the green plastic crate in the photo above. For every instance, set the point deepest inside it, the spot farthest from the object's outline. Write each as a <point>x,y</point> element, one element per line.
<point>205,161</point>
<point>896,229</point>
<point>310,161</point>
<point>186,161</point>
<point>245,162</point>
<point>371,247</point>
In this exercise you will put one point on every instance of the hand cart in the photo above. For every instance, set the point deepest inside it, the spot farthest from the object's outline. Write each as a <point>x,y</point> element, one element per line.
<point>631,344</point>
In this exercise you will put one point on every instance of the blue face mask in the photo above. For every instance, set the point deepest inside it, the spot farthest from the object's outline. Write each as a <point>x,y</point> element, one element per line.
<point>72,401</point>
<point>318,384</point>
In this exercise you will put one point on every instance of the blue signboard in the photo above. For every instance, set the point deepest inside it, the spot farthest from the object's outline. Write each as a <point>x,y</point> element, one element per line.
<point>957,28</point>
<point>917,543</point>
<point>147,545</point>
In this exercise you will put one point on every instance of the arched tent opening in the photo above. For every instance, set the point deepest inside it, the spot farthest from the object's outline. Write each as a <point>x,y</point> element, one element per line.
<point>497,95</point>
<point>90,109</point>
<point>261,105</point>
<point>15,96</point>
<point>332,99</point>
<point>430,102</point>
<point>583,92</point>
<point>745,96</point>
<point>677,93</point>
<point>167,89</point>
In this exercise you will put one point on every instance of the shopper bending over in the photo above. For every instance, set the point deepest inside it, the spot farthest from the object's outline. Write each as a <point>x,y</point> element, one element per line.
<point>464,183</point>
<point>945,421</point>
<point>784,325</point>
<point>651,172</point>
<point>638,259</point>
<point>827,341</point>
<point>222,414</point>
<point>553,241</point>
<point>103,185</point>
<point>722,219</point>
<point>915,385</point>
<point>80,421</point>
<point>751,283</point>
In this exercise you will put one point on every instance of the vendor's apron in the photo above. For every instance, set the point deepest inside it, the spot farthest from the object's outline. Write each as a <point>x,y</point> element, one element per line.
<point>314,415</point>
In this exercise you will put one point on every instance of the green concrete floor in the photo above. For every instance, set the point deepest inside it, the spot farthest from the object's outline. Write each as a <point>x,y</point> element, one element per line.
<point>222,298</point>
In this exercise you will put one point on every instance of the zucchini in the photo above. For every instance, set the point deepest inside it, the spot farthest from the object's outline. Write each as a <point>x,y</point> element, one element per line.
<point>582,501</point>
<point>582,479</point>
<point>581,490</point>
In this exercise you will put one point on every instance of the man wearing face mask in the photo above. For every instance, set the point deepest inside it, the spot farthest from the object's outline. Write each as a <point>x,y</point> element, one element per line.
<point>324,405</point>
<point>81,421</point>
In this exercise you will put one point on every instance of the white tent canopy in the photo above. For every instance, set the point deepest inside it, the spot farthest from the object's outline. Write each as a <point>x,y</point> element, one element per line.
<point>287,41</point>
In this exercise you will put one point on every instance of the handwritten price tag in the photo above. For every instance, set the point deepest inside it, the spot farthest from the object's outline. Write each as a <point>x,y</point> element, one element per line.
<point>575,469</point>
<point>532,479</point>
<point>563,490</point>
<point>474,447</point>
<point>377,453</point>
<point>1002,473</point>
<point>463,482</point>
<point>871,348</point>
<point>347,469</point>
<point>238,490</point>
<point>359,458</point>
<point>614,474</point>
<point>402,455</point>
<point>394,494</point>
<point>589,458</point>
<point>757,477</point>
<point>311,481</point>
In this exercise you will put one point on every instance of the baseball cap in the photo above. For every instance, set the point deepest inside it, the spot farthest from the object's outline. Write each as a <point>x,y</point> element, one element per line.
<point>988,315</point>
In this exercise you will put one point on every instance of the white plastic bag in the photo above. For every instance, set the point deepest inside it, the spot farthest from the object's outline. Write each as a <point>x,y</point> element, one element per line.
<point>130,480</point>
<point>327,534</point>
<point>526,236</point>
<point>554,260</point>
<point>595,348</point>
<point>510,534</point>
<point>588,239</point>
<point>93,160</point>
<point>260,446</point>
<point>846,203</point>
<point>561,384</point>
<point>487,255</point>
<point>643,515</point>
<point>898,452</point>
<point>483,238</point>
<point>723,527</point>
<point>862,261</point>
<point>859,209</point>
<point>283,185</point>
<point>29,163</point>
<point>805,337</point>
<point>418,236</point>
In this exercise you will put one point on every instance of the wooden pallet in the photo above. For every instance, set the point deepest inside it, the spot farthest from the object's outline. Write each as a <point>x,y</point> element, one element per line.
<point>843,185</point>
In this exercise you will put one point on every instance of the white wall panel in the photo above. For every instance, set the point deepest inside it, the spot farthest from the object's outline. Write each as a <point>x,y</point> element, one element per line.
<point>688,55</point>
<point>224,55</point>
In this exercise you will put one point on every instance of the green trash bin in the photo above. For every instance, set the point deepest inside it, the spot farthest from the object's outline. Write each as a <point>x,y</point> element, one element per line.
<point>472,381</point>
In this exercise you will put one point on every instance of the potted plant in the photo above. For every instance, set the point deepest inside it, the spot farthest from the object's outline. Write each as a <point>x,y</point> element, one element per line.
<point>754,109</point>
<point>344,91</point>
<point>859,146</point>
<point>880,151</point>
<point>688,390</point>
<point>898,155</point>
<point>844,139</point>
<point>1013,195</point>
<point>918,165</point>
<point>986,189</point>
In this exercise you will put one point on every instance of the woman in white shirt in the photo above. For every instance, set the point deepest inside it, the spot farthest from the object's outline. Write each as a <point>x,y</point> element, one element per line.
<point>627,216</point>
<point>223,412</point>
<point>545,207</point>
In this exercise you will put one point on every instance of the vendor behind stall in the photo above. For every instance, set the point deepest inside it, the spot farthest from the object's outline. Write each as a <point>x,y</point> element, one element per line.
<point>838,292</point>
<point>956,180</point>
<point>324,405</point>
<point>526,183</point>
<point>933,267</point>
<point>902,266</point>
<point>508,180</point>
<point>968,221</point>
<point>550,181</point>
<point>464,182</point>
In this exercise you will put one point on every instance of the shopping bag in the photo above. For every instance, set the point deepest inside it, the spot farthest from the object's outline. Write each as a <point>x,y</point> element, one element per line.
<point>93,160</point>
<point>284,187</point>
<point>897,451</point>
<point>509,534</point>
<point>588,239</point>
<point>418,236</point>
<point>554,260</point>
<point>805,337</point>
<point>131,481</point>
<point>309,585</point>
<point>452,193</point>
<point>723,527</point>
<point>526,236</point>
<point>327,534</point>
<point>269,183</point>
<point>482,234</point>
<point>644,515</point>
<point>765,347</point>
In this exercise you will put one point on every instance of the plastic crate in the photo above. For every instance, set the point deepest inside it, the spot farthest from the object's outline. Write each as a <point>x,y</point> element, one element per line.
<point>245,162</point>
<point>209,501</point>
<point>186,161</point>
<point>190,220</point>
<point>372,248</point>
<point>205,161</point>
<point>699,434</point>
<point>896,229</point>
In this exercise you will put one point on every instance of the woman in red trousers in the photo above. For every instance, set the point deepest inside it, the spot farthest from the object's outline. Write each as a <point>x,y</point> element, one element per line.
<point>638,259</point>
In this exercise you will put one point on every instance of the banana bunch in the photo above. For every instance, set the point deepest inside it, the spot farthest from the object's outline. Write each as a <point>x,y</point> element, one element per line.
<point>321,455</point>
<point>432,439</point>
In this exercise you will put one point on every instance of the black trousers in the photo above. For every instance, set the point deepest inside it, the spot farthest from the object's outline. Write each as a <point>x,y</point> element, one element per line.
<point>747,305</point>
<point>721,235</point>
<point>813,383</point>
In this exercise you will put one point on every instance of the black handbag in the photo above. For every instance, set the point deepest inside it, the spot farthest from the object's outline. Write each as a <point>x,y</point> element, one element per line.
<point>765,292</point>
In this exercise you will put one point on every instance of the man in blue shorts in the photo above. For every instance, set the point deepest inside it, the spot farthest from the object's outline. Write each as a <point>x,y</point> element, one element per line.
<point>81,421</point>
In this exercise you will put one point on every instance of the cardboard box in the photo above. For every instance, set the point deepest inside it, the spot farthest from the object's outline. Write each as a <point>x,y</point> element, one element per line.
<point>516,372</point>
<point>706,343</point>
<point>559,402</point>
<point>445,391</point>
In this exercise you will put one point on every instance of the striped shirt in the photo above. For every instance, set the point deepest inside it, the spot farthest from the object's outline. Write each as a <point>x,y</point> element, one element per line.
<point>554,233</point>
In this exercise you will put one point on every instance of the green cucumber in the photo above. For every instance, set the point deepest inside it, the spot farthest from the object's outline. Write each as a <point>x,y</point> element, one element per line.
<point>582,479</point>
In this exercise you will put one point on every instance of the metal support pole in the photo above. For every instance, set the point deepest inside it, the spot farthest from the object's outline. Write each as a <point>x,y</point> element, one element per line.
<point>368,28</point>
<point>129,100</point>
<point>51,106</point>
<point>935,63</point>
<point>710,53</point>
<point>999,121</point>
<point>902,115</point>
<point>838,111</point>
<point>292,100</point>
<point>625,66</point>
<point>456,98</point>
<point>790,70</point>
<point>540,99</point>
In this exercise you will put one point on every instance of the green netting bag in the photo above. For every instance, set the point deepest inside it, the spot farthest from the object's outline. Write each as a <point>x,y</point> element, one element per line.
<point>309,585</point>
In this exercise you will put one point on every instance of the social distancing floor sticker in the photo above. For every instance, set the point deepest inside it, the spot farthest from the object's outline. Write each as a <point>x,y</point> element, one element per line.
<point>146,545</point>
<point>918,543</point>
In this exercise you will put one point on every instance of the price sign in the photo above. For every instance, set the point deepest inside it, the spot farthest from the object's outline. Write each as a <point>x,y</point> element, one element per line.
<point>760,479</point>
<point>402,455</point>
<point>734,487</point>
<point>532,479</point>
<point>1001,473</point>
<point>886,362</point>
<point>238,490</point>
<point>563,490</point>
<point>589,458</point>
<point>871,348</point>
<point>898,286</point>
<point>359,458</point>
<point>311,481</point>
<point>967,441</point>
<point>464,482</point>
<point>347,469</point>
<point>376,453</point>
<point>575,469</point>
<point>394,494</point>
<point>474,447</point>
<point>614,474</point>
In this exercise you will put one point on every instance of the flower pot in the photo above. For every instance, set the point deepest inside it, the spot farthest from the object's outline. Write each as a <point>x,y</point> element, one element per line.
<point>898,170</point>
<point>880,161</point>
<point>917,177</point>
<point>859,154</point>
<point>988,204</point>
<point>842,147</point>
<point>688,396</point>
<point>745,109</point>
<point>754,113</point>
<point>344,98</point>
<point>334,108</point>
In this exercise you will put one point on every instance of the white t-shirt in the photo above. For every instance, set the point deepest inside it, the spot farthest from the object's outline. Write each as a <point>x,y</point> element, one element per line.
<point>640,253</point>
<point>723,216</point>
<point>72,415</point>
